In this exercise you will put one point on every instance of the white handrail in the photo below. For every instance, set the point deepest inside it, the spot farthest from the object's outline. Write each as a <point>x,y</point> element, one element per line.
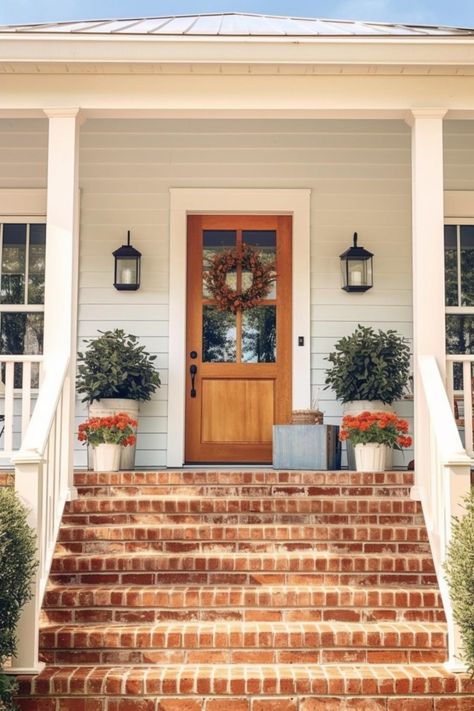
<point>42,483</point>
<point>443,471</point>
<point>37,434</point>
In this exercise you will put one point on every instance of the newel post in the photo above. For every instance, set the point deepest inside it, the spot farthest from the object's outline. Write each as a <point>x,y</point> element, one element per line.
<point>30,490</point>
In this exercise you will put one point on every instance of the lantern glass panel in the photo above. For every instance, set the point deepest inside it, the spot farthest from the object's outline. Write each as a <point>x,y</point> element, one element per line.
<point>127,271</point>
<point>357,273</point>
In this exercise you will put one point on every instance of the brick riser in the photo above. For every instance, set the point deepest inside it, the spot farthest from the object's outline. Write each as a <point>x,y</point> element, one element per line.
<point>244,591</point>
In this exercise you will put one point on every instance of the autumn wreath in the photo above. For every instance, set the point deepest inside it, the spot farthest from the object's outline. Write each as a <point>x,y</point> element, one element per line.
<point>250,260</point>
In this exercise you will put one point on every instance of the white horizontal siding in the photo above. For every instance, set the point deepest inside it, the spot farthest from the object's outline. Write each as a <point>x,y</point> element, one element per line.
<point>359,174</point>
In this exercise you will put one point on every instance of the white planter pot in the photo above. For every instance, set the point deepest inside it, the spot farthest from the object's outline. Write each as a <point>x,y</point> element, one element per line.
<point>371,457</point>
<point>106,457</point>
<point>356,407</point>
<point>112,406</point>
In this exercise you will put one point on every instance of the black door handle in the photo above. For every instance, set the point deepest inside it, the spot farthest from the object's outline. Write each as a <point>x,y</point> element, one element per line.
<point>193,370</point>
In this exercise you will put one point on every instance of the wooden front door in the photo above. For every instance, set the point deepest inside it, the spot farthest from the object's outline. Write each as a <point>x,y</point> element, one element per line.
<point>241,385</point>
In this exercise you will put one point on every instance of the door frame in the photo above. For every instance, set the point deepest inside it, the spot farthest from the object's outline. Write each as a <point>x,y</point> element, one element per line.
<point>259,201</point>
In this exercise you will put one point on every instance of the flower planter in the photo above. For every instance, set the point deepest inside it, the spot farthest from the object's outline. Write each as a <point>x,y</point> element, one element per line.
<point>356,407</point>
<point>106,457</point>
<point>112,406</point>
<point>371,457</point>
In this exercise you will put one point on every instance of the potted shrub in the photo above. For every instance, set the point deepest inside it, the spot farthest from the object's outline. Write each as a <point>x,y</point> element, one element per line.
<point>17,569</point>
<point>107,436</point>
<point>115,373</point>
<point>373,434</point>
<point>370,371</point>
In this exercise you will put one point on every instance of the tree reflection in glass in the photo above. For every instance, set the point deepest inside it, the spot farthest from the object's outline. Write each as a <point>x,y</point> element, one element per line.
<point>259,335</point>
<point>218,335</point>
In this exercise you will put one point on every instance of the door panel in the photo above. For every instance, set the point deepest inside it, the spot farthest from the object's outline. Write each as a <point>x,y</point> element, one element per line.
<point>242,361</point>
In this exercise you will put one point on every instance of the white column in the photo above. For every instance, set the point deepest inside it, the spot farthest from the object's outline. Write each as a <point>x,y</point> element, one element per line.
<point>428,262</point>
<point>62,240</point>
<point>428,233</point>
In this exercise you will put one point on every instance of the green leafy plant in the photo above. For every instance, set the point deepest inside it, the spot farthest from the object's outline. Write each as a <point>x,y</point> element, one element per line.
<point>369,365</point>
<point>115,365</point>
<point>17,568</point>
<point>459,569</point>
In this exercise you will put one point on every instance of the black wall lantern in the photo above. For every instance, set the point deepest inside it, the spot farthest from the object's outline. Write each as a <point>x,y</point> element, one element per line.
<point>127,267</point>
<point>357,268</point>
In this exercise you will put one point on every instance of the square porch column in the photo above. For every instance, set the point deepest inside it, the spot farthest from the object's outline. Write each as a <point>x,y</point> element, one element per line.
<point>427,255</point>
<point>62,254</point>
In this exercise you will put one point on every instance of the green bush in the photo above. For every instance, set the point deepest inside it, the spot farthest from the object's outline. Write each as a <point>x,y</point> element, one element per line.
<point>17,568</point>
<point>369,365</point>
<point>116,366</point>
<point>459,568</point>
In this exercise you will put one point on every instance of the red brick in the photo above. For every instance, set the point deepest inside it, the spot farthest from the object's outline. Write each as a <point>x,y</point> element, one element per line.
<point>410,704</point>
<point>180,705</point>
<point>227,704</point>
<point>131,705</point>
<point>453,704</point>
<point>274,705</point>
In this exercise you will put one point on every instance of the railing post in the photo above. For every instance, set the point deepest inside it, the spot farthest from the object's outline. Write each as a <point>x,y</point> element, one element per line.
<point>29,487</point>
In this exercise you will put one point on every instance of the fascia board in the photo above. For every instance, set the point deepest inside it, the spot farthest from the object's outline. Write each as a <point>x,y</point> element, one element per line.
<point>408,51</point>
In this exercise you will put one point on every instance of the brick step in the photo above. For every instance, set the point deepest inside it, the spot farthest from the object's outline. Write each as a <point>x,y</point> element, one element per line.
<point>218,520</point>
<point>277,681</point>
<point>295,561</point>
<point>133,615</point>
<point>261,702</point>
<point>259,546</point>
<point>195,598</point>
<point>135,604</point>
<point>244,578</point>
<point>324,505</point>
<point>239,642</point>
<point>154,532</point>
<point>250,491</point>
<point>247,476</point>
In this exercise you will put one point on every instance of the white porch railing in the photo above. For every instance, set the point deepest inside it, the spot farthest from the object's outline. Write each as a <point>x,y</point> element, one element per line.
<point>42,468</point>
<point>443,478</point>
<point>462,400</point>
<point>20,376</point>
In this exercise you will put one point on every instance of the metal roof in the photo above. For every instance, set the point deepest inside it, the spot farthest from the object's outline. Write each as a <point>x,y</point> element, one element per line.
<point>238,24</point>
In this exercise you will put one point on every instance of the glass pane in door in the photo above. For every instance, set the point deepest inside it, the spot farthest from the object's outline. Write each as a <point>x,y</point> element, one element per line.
<point>219,336</point>
<point>259,335</point>
<point>264,242</point>
<point>215,241</point>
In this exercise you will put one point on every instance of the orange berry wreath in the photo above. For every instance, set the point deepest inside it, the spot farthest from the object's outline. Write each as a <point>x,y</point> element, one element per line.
<point>250,260</point>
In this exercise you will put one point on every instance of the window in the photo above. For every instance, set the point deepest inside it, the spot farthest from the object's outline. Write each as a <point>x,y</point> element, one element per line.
<point>459,290</point>
<point>22,277</point>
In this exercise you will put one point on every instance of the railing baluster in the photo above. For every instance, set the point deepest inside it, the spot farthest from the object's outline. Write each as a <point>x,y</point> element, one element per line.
<point>450,382</point>
<point>467,388</point>
<point>25,397</point>
<point>9,402</point>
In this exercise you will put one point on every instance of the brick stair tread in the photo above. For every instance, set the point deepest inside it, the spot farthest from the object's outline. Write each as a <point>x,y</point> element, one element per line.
<point>192,595</point>
<point>278,679</point>
<point>334,532</point>
<point>233,633</point>
<point>240,561</point>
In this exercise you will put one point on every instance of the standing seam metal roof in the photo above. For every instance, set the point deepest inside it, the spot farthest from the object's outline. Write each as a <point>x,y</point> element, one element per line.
<point>238,24</point>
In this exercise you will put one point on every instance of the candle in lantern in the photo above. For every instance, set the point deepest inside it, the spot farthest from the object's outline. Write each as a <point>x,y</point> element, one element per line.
<point>356,277</point>
<point>126,276</point>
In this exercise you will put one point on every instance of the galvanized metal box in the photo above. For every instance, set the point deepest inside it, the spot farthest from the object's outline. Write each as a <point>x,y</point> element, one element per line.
<point>314,447</point>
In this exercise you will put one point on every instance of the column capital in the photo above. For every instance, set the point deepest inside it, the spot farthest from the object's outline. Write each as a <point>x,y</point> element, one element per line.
<point>64,112</point>
<point>425,112</point>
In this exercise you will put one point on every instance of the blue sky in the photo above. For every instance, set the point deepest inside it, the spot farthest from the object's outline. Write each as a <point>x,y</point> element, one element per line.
<point>453,12</point>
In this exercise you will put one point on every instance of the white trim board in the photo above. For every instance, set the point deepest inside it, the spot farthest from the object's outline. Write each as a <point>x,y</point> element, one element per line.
<point>185,201</point>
